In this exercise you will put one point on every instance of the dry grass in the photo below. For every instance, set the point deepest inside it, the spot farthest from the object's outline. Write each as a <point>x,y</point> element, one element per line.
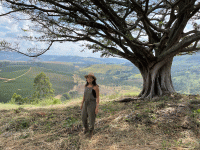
<point>169,122</point>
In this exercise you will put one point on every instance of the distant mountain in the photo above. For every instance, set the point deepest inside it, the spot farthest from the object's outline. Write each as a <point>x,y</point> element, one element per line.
<point>14,56</point>
<point>194,58</point>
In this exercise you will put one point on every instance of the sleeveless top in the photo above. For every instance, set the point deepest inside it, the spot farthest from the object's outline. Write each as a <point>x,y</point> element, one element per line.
<point>89,94</point>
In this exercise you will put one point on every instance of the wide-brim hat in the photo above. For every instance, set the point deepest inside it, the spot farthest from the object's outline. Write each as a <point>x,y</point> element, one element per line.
<point>91,74</point>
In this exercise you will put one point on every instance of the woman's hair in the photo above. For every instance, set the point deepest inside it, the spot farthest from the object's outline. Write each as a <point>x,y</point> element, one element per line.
<point>93,82</point>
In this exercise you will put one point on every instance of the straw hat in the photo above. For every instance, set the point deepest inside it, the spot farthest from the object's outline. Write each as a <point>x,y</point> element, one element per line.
<point>91,74</point>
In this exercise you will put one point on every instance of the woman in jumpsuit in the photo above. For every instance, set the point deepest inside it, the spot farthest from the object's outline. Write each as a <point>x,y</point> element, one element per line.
<point>90,104</point>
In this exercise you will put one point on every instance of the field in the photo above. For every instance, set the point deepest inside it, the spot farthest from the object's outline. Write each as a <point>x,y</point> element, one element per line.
<point>113,75</point>
<point>169,122</point>
<point>19,79</point>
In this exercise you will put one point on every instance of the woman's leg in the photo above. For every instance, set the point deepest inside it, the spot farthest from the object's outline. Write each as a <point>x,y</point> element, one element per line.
<point>91,114</point>
<point>84,116</point>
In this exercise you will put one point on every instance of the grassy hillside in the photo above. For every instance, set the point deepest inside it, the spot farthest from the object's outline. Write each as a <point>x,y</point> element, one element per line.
<point>58,66</point>
<point>61,81</point>
<point>107,69</point>
<point>61,76</point>
<point>114,75</point>
<point>185,75</point>
<point>170,122</point>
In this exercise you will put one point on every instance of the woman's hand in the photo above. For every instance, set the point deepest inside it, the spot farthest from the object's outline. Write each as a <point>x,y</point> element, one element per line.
<point>96,110</point>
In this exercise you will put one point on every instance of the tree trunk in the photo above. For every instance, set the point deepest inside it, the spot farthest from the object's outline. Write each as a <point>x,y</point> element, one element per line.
<point>157,79</point>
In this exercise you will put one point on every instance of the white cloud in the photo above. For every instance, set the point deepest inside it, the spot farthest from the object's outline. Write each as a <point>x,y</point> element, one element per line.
<point>15,27</point>
<point>2,33</point>
<point>11,28</point>
<point>1,10</point>
<point>70,48</point>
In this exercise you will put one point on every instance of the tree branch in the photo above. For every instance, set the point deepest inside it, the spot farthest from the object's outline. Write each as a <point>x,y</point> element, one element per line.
<point>177,47</point>
<point>18,51</point>
<point>188,33</point>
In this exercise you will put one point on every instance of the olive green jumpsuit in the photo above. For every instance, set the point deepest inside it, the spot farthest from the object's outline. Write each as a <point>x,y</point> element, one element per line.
<point>88,110</point>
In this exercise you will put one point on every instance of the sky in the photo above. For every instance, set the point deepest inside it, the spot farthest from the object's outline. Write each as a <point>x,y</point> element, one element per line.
<point>11,29</point>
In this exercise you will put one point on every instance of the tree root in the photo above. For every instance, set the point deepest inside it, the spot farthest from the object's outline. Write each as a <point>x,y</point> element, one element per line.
<point>124,100</point>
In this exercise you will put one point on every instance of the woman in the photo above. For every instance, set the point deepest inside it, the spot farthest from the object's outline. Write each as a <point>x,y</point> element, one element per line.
<point>90,103</point>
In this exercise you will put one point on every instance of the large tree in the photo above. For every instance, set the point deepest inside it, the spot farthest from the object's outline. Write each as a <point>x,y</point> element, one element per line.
<point>148,33</point>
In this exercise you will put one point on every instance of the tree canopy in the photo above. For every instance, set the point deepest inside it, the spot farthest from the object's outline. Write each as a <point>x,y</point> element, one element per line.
<point>148,33</point>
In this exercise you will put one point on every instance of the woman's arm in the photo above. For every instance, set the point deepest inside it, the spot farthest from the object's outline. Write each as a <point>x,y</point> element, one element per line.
<point>97,99</point>
<point>82,102</point>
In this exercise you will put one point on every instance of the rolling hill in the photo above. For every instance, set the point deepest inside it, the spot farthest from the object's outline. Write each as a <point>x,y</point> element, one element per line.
<point>109,72</point>
<point>13,82</point>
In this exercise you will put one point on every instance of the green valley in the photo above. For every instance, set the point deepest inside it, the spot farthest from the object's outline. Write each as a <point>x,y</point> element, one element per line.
<point>17,76</point>
<point>14,82</point>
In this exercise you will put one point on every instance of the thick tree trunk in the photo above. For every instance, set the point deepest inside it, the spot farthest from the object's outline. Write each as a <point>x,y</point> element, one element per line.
<point>157,79</point>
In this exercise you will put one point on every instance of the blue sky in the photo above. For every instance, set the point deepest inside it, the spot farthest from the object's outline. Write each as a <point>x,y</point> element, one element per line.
<point>10,29</point>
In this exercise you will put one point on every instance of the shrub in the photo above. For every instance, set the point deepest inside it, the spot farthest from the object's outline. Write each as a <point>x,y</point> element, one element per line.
<point>66,95</point>
<point>17,99</point>
<point>12,101</point>
<point>47,101</point>
<point>57,101</point>
<point>35,101</point>
<point>73,94</point>
<point>63,98</point>
<point>113,96</point>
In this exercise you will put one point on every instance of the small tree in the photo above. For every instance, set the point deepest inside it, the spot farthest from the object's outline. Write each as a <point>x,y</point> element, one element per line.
<point>42,86</point>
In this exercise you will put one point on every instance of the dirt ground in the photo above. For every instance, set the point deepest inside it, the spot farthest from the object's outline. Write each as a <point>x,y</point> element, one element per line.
<point>168,122</point>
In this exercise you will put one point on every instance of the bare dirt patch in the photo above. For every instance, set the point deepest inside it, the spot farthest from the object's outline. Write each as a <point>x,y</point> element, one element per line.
<point>58,96</point>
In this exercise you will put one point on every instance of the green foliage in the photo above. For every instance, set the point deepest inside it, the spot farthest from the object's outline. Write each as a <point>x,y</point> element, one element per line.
<point>61,81</point>
<point>197,111</point>
<point>107,69</point>
<point>60,68</point>
<point>114,96</point>
<point>17,99</point>
<point>20,123</point>
<point>63,99</point>
<point>42,86</point>
<point>46,102</point>
<point>113,75</point>
<point>185,77</point>
<point>66,96</point>
<point>56,101</point>
<point>22,85</point>
<point>70,121</point>
<point>187,83</point>
<point>73,94</point>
